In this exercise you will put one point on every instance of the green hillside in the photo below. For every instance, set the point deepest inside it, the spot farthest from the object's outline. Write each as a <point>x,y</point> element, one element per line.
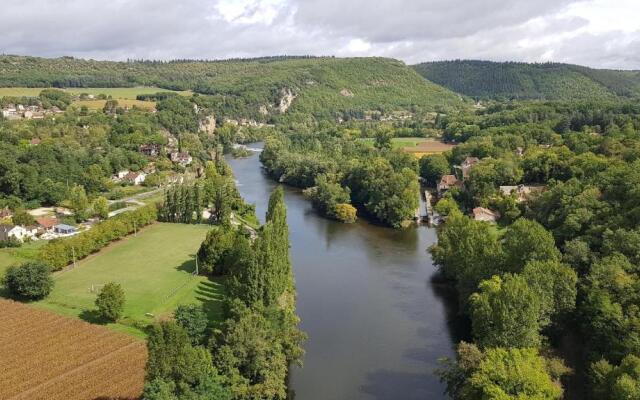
<point>551,81</point>
<point>320,86</point>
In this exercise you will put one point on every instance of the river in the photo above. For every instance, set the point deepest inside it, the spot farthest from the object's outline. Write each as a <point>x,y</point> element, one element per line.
<point>376,323</point>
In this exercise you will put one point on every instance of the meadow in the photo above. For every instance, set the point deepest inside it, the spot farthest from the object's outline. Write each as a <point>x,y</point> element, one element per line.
<point>155,270</point>
<point>16,256</point>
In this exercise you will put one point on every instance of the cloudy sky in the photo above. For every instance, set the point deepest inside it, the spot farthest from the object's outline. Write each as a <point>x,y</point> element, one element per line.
<point>599,33</point>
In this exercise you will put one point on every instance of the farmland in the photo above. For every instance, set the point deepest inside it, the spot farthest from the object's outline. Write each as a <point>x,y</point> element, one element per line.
<point>416,145</point>
<point>47,356</point>
<point>154,269</point>
<point>116,93</point>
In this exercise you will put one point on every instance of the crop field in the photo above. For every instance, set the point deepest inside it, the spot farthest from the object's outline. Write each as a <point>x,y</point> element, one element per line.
<point>416,145</point>
<point>155,270</point>
<point>126,103</point>
<point>47,356</point>
<point>116,93</point>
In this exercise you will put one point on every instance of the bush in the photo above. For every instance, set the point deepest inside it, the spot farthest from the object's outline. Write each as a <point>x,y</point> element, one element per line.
<point>31,280</point>
<point>345,212</point>
<point>11,242</point>
<point>110,301</point>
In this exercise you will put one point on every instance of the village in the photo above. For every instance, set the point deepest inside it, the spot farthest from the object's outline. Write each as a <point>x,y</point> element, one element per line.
<point>20,111</point>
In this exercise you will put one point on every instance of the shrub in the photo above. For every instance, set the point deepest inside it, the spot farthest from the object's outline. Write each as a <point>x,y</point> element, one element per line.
<point>110,301</point>
<point>31,280</point>
<point>345,212</point>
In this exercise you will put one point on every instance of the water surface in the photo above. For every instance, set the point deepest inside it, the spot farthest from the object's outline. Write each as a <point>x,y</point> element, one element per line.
<point>376,323</point>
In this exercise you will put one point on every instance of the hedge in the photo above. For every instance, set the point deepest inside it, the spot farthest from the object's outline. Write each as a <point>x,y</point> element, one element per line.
<point>59,253</point>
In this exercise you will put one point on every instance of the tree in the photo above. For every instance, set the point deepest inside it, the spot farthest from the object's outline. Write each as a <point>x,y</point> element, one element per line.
<point>382,139</point>
<point>215,248</point>
<point>433,167</point>
<point>346,213</point>
<point>31,280</point>
<point>101,207</point>
<point>506,313</point>
<point>525,241</point>
<point>193,320</point>
<point>110,301</point>
<point>22,217</point>
<point>468,252</point>
<point>79,202</point>
<point>555,286</point>
<point>250,355</point>
<point>501,374</point>
<point>177,370</point>
<point>617,382</point>
<point>110,106</point>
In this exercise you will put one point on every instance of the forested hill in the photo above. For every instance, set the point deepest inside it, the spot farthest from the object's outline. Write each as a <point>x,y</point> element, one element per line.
<point>550,81</point>
<point>317,86</point>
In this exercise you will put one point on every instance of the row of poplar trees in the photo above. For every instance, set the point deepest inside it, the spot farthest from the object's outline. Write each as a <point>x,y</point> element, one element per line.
<point>248,355</point>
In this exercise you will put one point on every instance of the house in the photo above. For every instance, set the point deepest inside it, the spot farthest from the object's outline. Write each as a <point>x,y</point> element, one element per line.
<point>522,192</point>
<point>183,159</point>
<point>486,215</point>
<point>13,231</point>
<point>447,182</point>
<point>64,229</point>
<point>467,165</point>
<point>46,224</point>
<point>135,178</point>
<point>151,150</point>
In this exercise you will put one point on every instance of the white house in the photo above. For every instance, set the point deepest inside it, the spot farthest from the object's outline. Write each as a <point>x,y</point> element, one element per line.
<point>14,231</point>
<point>135,178</point>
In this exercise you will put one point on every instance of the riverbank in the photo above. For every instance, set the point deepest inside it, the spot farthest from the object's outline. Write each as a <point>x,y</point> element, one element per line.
<point>376,324</point>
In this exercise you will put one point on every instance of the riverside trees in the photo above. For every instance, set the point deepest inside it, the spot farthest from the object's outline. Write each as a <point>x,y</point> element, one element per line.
<point>248,358</point>
<point>570,263</point>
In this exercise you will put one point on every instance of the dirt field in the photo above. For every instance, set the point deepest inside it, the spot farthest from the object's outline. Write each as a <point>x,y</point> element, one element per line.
<point>47,356</point>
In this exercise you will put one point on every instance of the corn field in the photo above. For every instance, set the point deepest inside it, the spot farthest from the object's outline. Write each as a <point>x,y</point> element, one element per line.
<point>47,356</point>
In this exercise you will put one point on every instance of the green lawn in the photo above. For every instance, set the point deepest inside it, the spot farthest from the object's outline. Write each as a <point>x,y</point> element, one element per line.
<point>116,93</point>
<point>12,256</point>
<point>154,269</point>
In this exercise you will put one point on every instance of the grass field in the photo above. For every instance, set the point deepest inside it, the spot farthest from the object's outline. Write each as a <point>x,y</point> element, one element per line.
<point>154,269</point>
<point>116,93</point>
<point>398,143</point>
<point>126,103</point>
<point>12,256</point>
<point>47,356</point>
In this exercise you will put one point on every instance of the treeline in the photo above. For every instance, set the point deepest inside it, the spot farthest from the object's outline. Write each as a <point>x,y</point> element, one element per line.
<point>249,356</point>
<point>339,172</point>
<point>58,253</point>
<point>547,81</point>
<point>241,89</point>
<point>577,239</point>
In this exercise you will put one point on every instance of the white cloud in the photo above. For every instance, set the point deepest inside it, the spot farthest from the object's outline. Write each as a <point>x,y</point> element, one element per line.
<point>601,33</point>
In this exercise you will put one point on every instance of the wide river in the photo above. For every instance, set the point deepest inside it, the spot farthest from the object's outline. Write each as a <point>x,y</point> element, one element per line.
<point>376,323</point>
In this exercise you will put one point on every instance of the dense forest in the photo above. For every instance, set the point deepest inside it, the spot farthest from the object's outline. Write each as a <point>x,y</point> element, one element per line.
<point>511,80</point>
<point>323,88</point>
<point>560,264</point>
